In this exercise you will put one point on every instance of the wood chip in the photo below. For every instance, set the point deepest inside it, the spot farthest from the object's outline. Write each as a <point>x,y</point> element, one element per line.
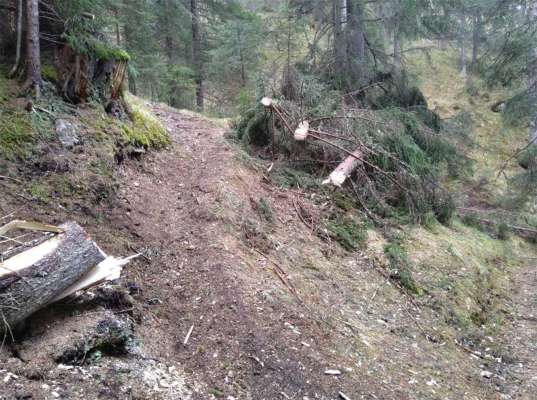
<point>188,335</point>
<point>333,372</point>
<point>344,396</point>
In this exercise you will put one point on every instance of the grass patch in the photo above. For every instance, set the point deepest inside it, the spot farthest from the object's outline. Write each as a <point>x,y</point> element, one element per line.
<point>40,192</point>
<point>17,136</point>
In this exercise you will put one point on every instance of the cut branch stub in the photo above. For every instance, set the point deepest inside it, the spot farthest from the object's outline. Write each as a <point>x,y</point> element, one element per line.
<point>301,133</point>
<point>345,169</point>
<point>266,102</point>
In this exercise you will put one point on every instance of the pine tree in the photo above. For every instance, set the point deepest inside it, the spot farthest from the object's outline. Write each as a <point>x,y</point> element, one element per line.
<point>33,48</point>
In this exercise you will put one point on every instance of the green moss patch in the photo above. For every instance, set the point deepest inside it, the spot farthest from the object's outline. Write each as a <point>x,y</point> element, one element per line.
<point>94,47</point>
<point>146,130</point>
<point>49,73</point>
<point>17,136</point>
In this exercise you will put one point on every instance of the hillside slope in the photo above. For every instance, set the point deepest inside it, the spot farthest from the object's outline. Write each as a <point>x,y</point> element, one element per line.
<point>274,309</point>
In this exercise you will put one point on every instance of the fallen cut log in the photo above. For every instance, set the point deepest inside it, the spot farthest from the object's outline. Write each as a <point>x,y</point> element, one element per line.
<point>345,169</point>
<point>50,271</point>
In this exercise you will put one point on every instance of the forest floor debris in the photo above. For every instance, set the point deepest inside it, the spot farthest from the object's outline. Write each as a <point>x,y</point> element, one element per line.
<point>203,273</point>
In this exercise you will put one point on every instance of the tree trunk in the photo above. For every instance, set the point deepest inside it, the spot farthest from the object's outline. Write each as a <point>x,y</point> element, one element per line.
<point>241,57</point>
<point>168,39</point>
<point>397,50</point>
<point>132,84</point>
<point>19,40</point>
<point>532,82</point>
<point>462,46</point>
<point>339,39</point>
<point>33,50</point>
<point>355,42</point>
<point>476,39</point>
<point>33,279</point>
<point>196,53</point>
<point>117,28</point>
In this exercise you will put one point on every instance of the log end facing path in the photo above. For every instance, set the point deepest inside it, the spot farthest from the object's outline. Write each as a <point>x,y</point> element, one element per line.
<point>47,271</point>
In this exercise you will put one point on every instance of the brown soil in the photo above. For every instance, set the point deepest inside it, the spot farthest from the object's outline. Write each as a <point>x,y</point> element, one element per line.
<point>272,306</point>
<point>521,339</point>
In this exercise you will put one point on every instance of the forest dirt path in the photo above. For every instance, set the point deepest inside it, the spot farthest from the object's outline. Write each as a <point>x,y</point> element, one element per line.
<point>270,306</point>
<point>240,342</point>
<point>522,341</point>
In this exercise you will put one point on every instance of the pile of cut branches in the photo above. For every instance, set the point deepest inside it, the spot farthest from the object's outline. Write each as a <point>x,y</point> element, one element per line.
<point>389,159</point>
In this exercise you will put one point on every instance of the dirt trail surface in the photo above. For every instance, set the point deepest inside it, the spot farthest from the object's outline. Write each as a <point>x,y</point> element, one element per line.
<point>233,301</point>
<point>521,344</point>
<point>240,343</point>
<point>269,326</point>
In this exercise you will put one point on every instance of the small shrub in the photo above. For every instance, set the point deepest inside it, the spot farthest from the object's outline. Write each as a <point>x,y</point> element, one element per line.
<point>290,178</point>
<point>241,123</point>
<point>49,73</point>
<point>350,235</point>
<point>400,267</point>
<point>265,210</point>
<point>518,110</point>
<point>503,231</point>
<point>343,201</point>
<point>257,130</point>
<point>255,236</point>
<point>528,159</point>
<point>430,221</point>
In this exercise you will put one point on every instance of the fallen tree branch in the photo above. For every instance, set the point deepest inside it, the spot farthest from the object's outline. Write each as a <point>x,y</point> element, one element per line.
<point>519,230</point>
<point>270,104</point>
<point>8,178</point>
<point>34,226</point>
<point>513,156</point>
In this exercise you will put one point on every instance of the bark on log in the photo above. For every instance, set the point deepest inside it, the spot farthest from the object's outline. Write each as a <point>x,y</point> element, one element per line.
<point>33,279</point>
<point>345,169</point>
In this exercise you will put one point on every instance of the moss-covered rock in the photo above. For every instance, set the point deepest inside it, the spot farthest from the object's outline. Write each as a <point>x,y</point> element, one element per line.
<point>145,130</point>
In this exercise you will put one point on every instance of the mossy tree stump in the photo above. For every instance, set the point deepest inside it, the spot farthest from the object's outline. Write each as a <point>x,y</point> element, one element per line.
<point>95,71</point>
